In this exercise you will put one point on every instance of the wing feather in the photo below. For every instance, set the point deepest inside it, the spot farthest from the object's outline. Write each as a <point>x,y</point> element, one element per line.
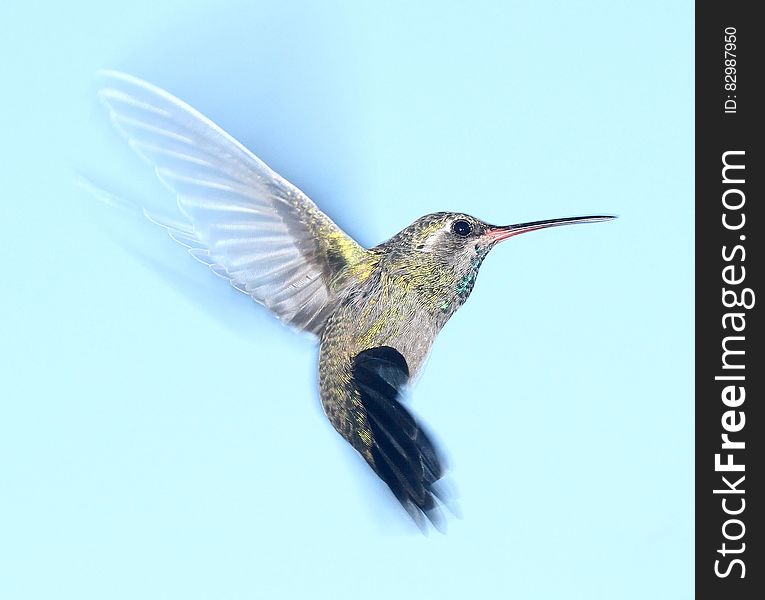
<point>244,221</point>
<point>399,449</point>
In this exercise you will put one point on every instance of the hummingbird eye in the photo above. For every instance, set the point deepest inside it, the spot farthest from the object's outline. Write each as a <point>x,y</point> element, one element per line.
<point>462,228</point>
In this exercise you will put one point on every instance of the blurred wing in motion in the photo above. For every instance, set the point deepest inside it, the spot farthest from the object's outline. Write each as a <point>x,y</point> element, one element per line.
<point>247,223</point>
<point>392,441</point>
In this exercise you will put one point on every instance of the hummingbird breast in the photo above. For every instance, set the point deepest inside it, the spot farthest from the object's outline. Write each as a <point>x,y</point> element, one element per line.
<point>392,309</point>
<point>386,309</point>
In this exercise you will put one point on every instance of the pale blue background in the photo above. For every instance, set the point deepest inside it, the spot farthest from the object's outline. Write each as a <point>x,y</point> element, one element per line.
<point>160,437</point>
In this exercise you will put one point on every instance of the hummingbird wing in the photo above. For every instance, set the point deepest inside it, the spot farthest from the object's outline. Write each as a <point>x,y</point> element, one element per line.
<point>387,435</point>
<point>243,220</point>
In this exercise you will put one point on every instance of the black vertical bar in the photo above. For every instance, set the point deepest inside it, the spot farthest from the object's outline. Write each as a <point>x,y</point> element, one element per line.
<point>728,107</point>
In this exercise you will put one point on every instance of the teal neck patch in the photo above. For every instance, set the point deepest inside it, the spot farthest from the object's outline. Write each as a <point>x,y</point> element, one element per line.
<point>465,286</point>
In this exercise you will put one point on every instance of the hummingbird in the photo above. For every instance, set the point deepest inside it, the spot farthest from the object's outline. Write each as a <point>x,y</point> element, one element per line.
<point>375,312</point>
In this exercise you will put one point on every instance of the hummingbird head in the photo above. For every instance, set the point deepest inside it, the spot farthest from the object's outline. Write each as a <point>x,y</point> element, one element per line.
<point>445,250</point>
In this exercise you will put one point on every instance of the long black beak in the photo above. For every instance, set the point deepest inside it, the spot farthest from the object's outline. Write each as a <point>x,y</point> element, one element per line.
<point>499,233</point>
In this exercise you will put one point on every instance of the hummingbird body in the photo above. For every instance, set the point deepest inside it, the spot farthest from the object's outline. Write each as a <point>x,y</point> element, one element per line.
<point>397,303</point>
<point>402,292</point>
<point>375,312</point>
